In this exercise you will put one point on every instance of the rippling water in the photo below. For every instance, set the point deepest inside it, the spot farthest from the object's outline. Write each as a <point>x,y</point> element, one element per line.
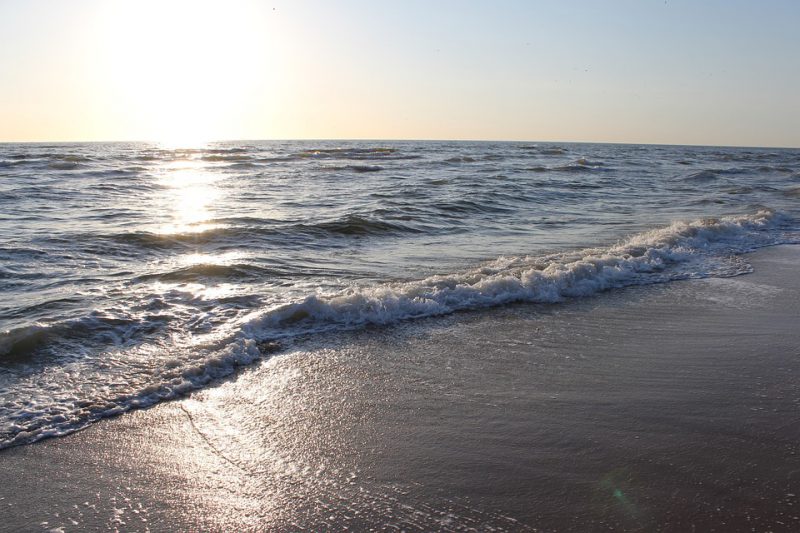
<point>132,273</point>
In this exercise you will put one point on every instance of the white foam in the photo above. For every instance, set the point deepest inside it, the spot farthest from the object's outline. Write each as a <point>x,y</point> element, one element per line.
<point>679,251</point>
<point>34,419</point>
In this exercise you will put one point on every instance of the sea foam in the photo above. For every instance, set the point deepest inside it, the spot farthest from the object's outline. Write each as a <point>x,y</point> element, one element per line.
<point>682,250</point>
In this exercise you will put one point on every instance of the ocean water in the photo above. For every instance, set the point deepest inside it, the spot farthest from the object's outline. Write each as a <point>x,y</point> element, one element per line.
<point>132,273</point>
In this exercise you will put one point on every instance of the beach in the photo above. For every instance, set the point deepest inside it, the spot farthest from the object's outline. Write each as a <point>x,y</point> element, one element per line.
<point>669,407</point>
<point>418,267</point>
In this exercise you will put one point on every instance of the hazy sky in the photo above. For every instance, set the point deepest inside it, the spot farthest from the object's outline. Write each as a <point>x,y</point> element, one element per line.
<point>682,72</point>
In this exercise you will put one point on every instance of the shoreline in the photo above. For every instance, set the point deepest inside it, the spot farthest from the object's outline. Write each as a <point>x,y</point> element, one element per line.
<point>664,407</point>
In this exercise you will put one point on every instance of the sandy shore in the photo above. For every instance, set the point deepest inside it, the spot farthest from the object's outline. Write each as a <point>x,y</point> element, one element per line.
<point>670,407</point>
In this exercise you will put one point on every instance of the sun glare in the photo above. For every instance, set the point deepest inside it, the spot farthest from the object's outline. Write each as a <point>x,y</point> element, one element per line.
<point>189,196</point>
<point>183,70</point>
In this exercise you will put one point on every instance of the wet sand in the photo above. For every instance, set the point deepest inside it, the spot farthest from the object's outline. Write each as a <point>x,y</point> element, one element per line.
<point>662,408</point>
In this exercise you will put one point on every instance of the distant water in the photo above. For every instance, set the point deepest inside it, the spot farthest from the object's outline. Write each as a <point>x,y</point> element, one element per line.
<point>132,273</point>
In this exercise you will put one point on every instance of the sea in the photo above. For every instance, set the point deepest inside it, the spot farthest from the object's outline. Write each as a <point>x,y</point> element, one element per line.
<point>135,273</point>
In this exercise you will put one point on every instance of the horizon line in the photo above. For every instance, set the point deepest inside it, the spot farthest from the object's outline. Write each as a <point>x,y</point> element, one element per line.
<point>364,139</point>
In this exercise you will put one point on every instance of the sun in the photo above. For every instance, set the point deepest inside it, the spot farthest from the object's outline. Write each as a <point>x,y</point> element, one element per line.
<point>182,71</point>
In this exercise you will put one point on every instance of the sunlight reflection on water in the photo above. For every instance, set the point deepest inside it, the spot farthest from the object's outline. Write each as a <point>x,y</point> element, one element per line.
<point>189,195</point>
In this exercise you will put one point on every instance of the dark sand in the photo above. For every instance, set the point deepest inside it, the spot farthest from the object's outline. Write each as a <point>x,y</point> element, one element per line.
<point>672,407</point>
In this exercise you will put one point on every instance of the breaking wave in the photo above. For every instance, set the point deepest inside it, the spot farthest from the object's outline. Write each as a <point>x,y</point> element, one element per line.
<point>679,251</point>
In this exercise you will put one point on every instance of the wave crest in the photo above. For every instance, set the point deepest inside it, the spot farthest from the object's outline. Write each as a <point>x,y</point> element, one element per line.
<point>681,250</point>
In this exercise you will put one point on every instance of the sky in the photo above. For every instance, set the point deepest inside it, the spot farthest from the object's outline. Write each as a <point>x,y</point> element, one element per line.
<point>674,72</point>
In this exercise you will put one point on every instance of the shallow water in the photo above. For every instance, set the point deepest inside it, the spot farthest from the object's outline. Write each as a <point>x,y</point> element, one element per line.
<point>133,273</point>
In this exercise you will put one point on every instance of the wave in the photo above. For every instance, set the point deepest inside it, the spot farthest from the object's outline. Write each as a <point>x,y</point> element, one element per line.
<point>745,189</point>
<point>355,168</point>
<point>221,231</point>
<point>63,165</point>
<point>354,153</point>
<point>74,158</point>
<point>177,154</point>
<point>212,271</point>
<point>14,163</point>
<point>7,252</point>
<point>30,422</point>
<point>66,161</point>
<point>357,225</point>
<point>153,240</point>
<point>230,150</point>
<point>470,206</point>
<point>777,168</point>
<point>709,175</point>
<point>581,165</point>
<point>651,257</point>
<point>792,192</point>
<point>97,327</point>
<point>576,186</point>
<point>553,151</point>
<point>710,201</point>
<point>682,250</point>
<point>460,159</point>
<point>19,343</point>
<point>278,159</point>
<point>213,157</point>
<point>243,165</point>
<point>744,156</point>
<point>544,150</point>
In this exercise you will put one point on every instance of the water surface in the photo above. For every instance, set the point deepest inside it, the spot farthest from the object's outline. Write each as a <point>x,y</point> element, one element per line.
<point>132,273</point>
